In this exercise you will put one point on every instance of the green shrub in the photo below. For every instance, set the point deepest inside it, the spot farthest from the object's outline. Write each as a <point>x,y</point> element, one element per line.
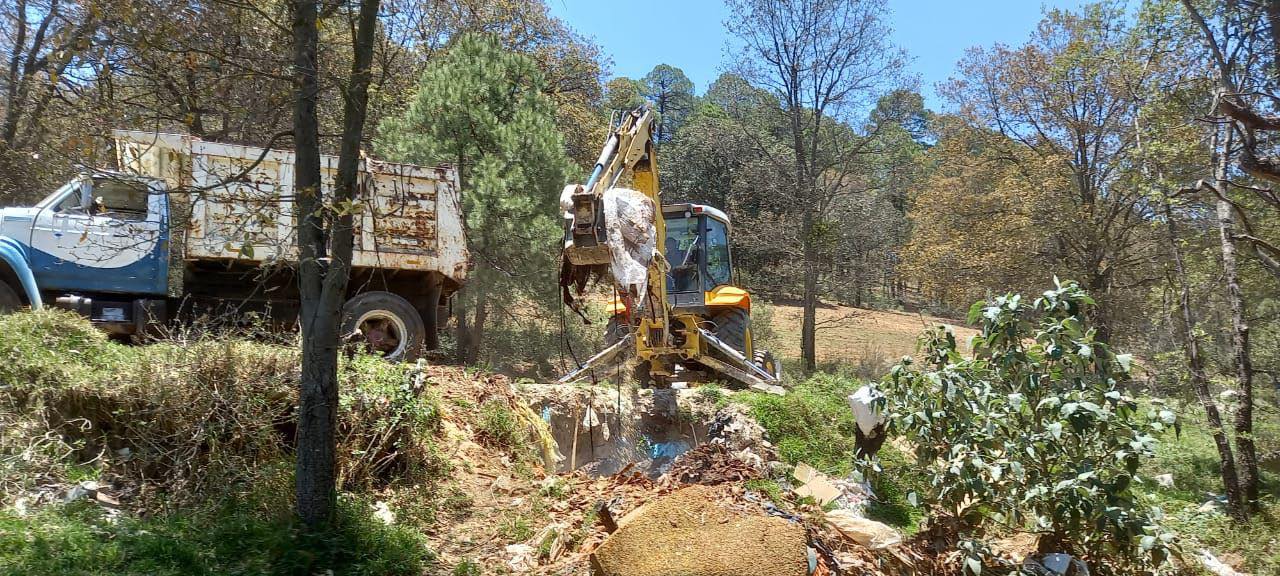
<point>1033,431</point>
<point>232,537</point>
<point>499,426</point>
<point>194,417</point>
<point>811,423</point>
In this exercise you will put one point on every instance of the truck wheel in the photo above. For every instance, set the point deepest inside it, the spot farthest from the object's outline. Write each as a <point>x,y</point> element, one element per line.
<point>9,299</point>
<point>731,328</point>
<point>387,324</point>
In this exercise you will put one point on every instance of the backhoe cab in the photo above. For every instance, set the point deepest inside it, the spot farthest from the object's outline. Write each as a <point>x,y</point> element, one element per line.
<point>675,301</point>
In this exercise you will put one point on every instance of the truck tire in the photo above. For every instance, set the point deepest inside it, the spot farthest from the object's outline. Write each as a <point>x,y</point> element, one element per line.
<point>386,324</point>
<point>9,299</point>
<point>731,328</point>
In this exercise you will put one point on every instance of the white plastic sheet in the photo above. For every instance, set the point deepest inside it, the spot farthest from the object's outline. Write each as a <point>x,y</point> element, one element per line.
<point>632,237</point>
<point>862,403</point>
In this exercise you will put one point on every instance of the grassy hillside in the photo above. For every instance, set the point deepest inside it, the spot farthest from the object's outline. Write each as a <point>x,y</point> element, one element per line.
<point>859,337</point>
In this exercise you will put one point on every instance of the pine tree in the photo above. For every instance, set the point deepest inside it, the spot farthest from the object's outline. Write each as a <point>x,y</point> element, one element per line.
<point>483,109</point>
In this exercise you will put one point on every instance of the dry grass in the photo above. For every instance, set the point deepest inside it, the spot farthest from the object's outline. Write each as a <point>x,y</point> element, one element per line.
<point>858,336</point>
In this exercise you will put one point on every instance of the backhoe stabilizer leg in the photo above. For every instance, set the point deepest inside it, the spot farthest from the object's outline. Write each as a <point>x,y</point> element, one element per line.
<point>602,358</point>
<point>738,366</point>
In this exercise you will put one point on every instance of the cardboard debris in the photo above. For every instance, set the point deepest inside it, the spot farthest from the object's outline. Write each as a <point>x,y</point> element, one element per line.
<point>815,484</point>
<point>869,533</point>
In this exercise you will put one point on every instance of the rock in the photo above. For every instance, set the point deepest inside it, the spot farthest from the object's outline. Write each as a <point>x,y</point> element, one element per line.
<point>1055,565</point>
<point>869,533</point>
<point>1216,566</point>
<point>1164,480</point>
<point>701,530</point>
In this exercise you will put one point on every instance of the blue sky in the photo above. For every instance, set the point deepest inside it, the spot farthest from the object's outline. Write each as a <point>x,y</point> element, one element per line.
<point>690,34</point>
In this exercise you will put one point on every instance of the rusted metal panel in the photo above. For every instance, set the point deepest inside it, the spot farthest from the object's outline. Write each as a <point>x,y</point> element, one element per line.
<point>242,204</point>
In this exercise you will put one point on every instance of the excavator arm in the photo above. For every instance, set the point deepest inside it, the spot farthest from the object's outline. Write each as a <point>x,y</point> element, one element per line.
<point>613,230</point>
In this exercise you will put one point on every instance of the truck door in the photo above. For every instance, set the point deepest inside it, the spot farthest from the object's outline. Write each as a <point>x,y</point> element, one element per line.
<point>109,234</point>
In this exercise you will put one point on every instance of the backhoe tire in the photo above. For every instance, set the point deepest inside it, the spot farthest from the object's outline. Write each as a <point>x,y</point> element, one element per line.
<point>765,360</point>
<point>615,331</point>
<point>731,328</point>
<point>9,299</point>
<point>384,323</point>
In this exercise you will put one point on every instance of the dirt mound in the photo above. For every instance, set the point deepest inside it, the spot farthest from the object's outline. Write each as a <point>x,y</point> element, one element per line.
<point>702,531</point>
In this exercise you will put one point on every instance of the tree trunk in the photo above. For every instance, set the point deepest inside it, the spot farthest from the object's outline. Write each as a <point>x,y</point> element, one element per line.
<point>1200,380</point>
<point>809,325</point>
<point>1239,334</point>
<point>317,398</point>
<point>324,253</point>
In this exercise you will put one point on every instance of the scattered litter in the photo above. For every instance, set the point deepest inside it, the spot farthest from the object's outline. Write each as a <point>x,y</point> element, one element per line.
<point>1209,507</point>
<point>1216,566</point>
<point>864,531</point>
<point>814,484</point>
<point>1055,565</point>
<point>862,402</point>
<point>551,542</point>
<point>713,464</point>
<point>383,512</point>
<point>1164,480</point>
<point>521,558</point>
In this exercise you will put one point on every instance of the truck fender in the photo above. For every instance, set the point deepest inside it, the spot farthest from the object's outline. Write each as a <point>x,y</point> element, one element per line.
<point>15,255</point>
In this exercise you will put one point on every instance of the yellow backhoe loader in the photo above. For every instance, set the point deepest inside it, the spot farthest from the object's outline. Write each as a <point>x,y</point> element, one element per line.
<point>676,301</point>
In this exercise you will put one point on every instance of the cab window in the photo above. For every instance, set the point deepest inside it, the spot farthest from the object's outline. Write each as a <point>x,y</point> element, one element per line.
<point>68,199</point>
<point>719,269</point>
<point>683,246</point>
<point>118,198</point>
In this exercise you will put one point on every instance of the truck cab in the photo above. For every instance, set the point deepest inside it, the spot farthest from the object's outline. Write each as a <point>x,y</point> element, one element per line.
<point>97,245</point>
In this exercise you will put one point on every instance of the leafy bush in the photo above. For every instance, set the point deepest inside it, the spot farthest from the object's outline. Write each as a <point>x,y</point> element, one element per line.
<point>1033,432</point>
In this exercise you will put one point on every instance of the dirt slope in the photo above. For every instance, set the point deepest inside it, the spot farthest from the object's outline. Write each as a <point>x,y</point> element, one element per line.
<point>872,338</point>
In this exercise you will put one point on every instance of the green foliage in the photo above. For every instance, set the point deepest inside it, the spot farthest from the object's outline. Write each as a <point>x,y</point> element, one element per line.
<point>52,348</point>
<point>389,424</point>
<point>812,423</point>
<point>192,418</point>
<point>1192,461</point>
<point>498,426</point>
<point>484,109</point>
<point>1034,432</point>
<point>467,568</point>
<point>233,537</point>
<point>670,93</point>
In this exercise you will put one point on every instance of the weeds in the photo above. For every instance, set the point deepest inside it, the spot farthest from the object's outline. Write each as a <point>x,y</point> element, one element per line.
<point>499,426</point>
<point>189,420</point>
<point>231,537</point>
